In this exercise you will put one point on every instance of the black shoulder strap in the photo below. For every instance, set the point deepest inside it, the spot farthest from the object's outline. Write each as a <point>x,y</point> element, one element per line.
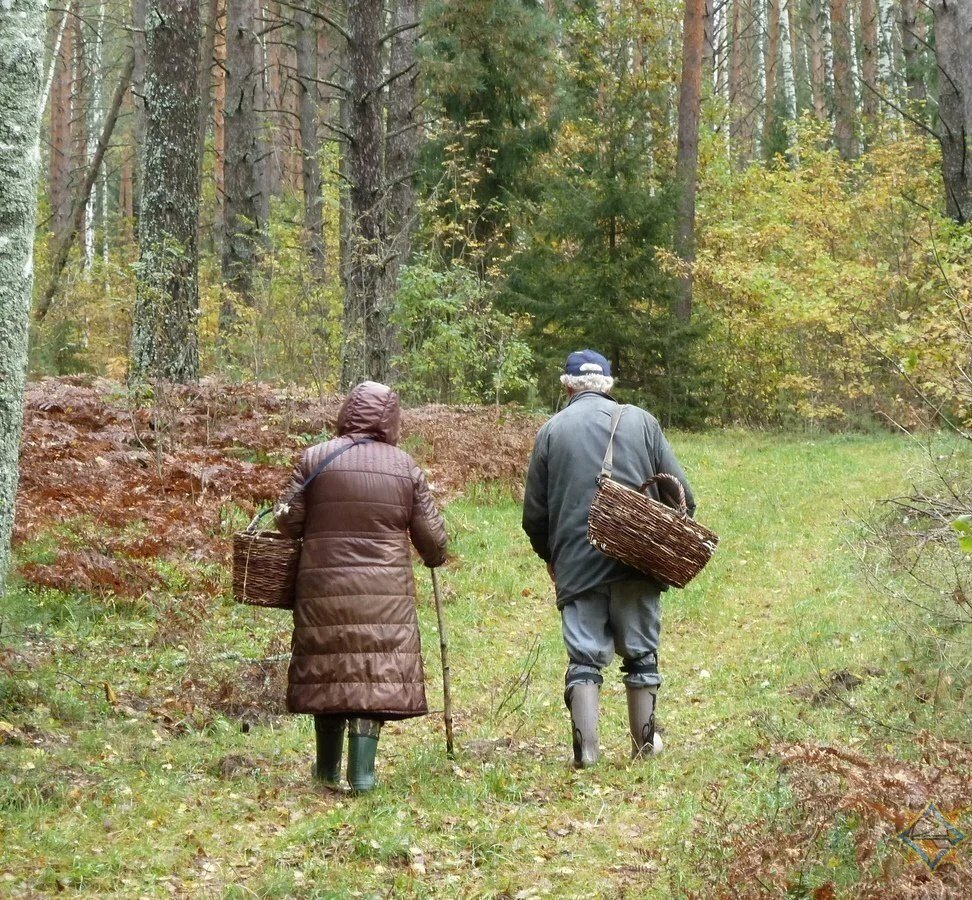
<point>333,455</point>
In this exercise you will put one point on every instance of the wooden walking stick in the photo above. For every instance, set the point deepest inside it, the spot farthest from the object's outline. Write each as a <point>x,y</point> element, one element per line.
<point>446,678</point>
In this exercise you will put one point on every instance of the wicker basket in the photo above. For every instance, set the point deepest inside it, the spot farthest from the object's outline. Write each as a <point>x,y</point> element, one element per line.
<point>647,535</point>
<point>265,568</point>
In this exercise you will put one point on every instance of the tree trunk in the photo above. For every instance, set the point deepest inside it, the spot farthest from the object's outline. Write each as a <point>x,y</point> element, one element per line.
<point>772,58</point>
<point>687,153</point>
<point>243,198</point>
<point>369,344</point>
<point>953,53</point>
<point>21,60</point>
<point>401,150</point>
<point>310,141</point>
<point>844,101</point>
<point>219,121</point>
<point>818,66</point>
<point>911,51</point>
<point>164,322</point>
<point>59,174</point>
<point>80,201</point>
<point>709,41</point>
<point>869,59</point>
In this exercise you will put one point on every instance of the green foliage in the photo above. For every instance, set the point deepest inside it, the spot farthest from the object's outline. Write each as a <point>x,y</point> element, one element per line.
<point>962,526</point>
<point>587,270</point>
<point>818,275</point>
<point>486,66</point>
<point>456,346</point>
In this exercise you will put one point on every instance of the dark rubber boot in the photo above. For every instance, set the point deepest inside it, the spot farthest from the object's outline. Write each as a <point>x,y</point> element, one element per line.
<point>641,721</point>
<point>362,747</point>
<point>329,734</point>
<point>582,701</point>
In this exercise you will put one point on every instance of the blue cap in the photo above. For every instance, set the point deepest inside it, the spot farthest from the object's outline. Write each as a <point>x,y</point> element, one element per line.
<point>587,362</point>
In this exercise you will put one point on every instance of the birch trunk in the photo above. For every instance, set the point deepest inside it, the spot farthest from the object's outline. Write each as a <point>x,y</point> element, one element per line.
<point>772,58</point>
<point>21,58</point>
<point>164,322</point>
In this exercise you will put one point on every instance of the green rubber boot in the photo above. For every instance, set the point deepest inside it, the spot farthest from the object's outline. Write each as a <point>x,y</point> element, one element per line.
<point>329,734</point>
<point>362,747</point>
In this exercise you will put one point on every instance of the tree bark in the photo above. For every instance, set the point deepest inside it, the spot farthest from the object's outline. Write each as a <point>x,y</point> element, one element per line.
<point>21,61</point>
<point>164,322</point>
<point>369,343</point>
<point>772,60</point>
<point>76,218</point>
<point>818,67</point>
<point>310,141</point>
<point>869,59</point>
<point>953,53</point>
<point>911,51</point>
<point>59,174</point>
<point>243,219</point>
<point>401,151</point>
<point>844,99</point>
<point>687,152</point>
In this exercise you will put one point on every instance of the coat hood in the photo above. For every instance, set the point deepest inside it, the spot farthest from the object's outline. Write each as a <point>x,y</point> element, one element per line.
<point>372,409</point>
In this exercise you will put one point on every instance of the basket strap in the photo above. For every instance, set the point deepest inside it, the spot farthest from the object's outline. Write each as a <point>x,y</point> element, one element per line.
<point>333,455</point>
<point>607,466</point>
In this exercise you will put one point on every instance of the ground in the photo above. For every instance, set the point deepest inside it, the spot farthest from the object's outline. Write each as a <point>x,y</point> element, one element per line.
<point>144,750</point>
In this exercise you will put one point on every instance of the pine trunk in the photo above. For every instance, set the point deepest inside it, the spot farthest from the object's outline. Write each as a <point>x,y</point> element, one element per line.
<point>59,172</point>
<point>243,191</point>
<point>21,60</point>
<point>869,59</point>
<point>844,101</point>
<point>310,141</point>
<point>818,65</point>
<point>401,151</point>
<point>911,51</point>
<point>687,153</point>
<point>369,344</point>
<point>953,53</point>
<point>164,322</point>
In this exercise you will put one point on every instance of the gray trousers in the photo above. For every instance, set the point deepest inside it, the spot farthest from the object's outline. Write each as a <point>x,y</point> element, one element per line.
<point>622,616</point>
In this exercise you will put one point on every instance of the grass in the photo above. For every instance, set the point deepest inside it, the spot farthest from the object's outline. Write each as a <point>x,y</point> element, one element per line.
<point>143,752</point>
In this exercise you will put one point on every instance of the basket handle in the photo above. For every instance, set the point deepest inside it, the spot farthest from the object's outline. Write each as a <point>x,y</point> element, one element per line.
<point>252,527</point>
<point>664,476</point>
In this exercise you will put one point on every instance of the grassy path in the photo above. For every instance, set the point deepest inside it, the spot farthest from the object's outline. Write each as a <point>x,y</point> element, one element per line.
<point>124,769</point>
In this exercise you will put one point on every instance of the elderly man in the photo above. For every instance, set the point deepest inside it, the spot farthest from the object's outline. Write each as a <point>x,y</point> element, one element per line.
<point>605,606</point>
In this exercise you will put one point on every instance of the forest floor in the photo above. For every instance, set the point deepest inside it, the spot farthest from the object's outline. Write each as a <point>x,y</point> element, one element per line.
<point>144,749</point>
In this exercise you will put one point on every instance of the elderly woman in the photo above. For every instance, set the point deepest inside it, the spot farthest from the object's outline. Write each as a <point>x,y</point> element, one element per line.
<point>357,657</point>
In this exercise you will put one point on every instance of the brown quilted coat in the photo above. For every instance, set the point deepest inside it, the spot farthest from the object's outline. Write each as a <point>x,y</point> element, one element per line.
<point>356,648</point>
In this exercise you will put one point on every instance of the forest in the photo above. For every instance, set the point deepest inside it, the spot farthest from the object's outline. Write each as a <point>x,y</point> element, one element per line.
<point>219,216</point>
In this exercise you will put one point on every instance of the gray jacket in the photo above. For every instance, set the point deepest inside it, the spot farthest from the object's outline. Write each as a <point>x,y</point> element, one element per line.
<point>561,483</point>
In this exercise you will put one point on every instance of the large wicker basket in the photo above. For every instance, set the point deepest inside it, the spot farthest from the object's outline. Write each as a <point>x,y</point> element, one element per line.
<point>647,535</point>
<point>265,568</point>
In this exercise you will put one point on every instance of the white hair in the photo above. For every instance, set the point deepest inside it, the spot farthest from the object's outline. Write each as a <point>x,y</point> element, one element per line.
<point>577,383</point>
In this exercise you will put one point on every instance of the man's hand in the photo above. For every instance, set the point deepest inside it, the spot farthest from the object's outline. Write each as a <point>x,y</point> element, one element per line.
<point>550,572</point>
